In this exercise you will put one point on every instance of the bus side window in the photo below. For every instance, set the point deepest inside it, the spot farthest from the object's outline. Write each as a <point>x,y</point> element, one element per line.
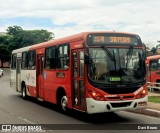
<point>81,63</point>
<point>50,58</point>
<point>14,59</point>
<point>153,65</point>
<point>24,64</point>
<point>31,60</point>
<point>66,63</point>
<point>75,64</point>
<point>63,57</point>
<point>158,64</point>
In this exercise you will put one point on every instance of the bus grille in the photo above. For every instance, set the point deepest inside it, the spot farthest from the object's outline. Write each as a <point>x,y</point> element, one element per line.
<point>118,97</point>
<point>118,105</point>
<point>120,90</point>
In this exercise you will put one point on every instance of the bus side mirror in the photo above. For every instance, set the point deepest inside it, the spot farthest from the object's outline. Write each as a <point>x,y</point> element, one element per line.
<point>88,59</point>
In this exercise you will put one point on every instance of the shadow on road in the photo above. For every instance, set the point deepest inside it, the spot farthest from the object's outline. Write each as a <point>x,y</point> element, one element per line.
<point>102,118</point>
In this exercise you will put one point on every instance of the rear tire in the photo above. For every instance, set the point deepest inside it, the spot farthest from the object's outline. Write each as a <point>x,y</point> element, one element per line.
<point>24,95</point>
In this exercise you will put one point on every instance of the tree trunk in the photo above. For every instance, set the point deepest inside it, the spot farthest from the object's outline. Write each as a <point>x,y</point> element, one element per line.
<point>1,64</point>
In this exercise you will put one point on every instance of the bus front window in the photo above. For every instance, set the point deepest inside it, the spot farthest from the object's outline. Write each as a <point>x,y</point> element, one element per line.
<point>116,65</point>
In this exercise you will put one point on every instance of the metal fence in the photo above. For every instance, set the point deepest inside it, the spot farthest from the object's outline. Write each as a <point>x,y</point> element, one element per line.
<point>153,85</point>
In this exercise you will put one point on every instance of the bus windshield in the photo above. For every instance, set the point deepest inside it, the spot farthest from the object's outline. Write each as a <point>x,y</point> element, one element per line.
<point>116,65</point>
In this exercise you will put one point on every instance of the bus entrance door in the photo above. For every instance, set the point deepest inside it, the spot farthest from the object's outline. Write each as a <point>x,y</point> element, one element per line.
<point>40,85</point>
<point>78,79</point>
<point>18,74</point>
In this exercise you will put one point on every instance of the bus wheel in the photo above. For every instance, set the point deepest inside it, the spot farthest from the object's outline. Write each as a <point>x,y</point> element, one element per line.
<point>24,96</point>
<point>64,103</point>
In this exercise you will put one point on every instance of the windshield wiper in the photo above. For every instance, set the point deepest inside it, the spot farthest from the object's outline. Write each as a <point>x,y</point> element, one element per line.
<point>112,57</point>
<point>129,55</point>
<point>141,70</point>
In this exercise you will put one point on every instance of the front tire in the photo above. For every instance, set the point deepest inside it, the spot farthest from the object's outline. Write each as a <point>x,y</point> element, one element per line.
<point>64,103</point>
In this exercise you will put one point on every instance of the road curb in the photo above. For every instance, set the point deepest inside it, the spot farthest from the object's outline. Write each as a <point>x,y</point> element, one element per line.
<point>149,112</point>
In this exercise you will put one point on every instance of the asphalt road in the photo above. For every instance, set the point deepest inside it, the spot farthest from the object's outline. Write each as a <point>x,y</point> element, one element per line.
<point>15,110</point>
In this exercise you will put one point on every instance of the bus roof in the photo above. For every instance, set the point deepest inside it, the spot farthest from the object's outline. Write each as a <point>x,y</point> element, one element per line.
<point>21,49</point>
<point>153,57</point>
<point>71,38</point>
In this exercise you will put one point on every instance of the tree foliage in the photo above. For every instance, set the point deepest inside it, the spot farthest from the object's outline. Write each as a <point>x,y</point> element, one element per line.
<point>17,38</point>
<point>13,30</point>
<point>153,50</point>
<point>22,38</point>
<point>4,52</point>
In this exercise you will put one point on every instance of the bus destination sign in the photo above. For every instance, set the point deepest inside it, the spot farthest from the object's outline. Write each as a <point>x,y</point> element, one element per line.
<point>112,39</point>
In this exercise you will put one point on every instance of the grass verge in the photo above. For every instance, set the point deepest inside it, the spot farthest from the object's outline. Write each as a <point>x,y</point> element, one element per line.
<point>154,99</point>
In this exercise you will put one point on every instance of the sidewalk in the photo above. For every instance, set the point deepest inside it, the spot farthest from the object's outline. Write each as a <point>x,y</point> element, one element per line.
<point>151,105</point>
<point>153,109</point>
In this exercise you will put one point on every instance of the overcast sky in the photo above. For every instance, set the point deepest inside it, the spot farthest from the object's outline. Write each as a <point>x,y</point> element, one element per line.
<point>67,17</point>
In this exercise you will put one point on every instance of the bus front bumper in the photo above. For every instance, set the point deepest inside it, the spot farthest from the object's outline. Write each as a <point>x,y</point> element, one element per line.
<point>94,106</point>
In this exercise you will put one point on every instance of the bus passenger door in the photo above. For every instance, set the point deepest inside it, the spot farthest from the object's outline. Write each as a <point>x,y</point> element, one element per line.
<point>40,80</point>
<point>13,80</point>
<point>78,79</point>
<point>18,74</point>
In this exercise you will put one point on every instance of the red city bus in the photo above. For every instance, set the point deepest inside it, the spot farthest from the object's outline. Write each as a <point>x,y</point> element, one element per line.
<point>92,72</point>
<point>153,71</point>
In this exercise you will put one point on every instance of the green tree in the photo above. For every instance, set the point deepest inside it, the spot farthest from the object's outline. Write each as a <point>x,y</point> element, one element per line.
<point>154,50</point>
<point>31,37</point>
<point>13,30</point>
<point>158,47</point>
<point>22,38</point>
<point>4,52</point>
<point>17,38</point>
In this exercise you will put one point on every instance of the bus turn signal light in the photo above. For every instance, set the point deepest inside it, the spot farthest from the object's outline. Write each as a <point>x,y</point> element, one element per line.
<point>96,96</point>
<point>144,92</point>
